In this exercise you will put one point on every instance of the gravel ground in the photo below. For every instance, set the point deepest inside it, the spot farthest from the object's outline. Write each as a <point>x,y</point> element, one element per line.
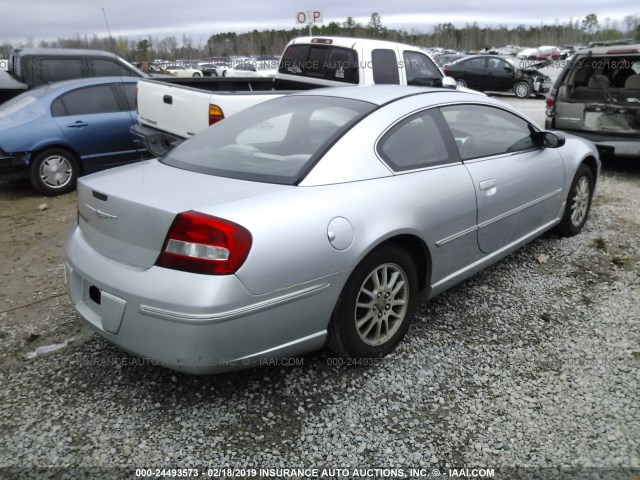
<point>526,364</point>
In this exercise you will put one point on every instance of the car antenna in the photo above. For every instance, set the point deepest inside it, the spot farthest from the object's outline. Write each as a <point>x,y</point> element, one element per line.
<point>113,47</point>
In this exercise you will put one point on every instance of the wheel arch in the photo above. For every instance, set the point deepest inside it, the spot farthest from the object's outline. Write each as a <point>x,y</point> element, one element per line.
<point>41,148</point>
<point>592,163</point>
<point>419,251</point>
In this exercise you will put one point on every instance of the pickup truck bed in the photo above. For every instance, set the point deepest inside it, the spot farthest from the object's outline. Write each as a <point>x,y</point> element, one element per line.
<point>197,97</point>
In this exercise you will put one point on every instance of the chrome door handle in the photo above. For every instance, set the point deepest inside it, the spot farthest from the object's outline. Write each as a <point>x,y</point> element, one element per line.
<point>487,184</point>
<point>78,124</point>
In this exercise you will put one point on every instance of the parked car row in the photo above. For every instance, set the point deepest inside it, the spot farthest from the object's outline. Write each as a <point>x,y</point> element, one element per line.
<point>257,66</point>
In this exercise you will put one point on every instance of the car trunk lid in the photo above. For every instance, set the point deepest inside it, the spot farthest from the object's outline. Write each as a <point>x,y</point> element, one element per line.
<point>125,213</point>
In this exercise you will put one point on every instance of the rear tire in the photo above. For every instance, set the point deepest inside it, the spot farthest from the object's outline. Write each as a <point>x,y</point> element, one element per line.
<point>461,83</point>
<point>578,203</point>
<point>54,171</point>
<point>375,308</point>
<point>196,75</point>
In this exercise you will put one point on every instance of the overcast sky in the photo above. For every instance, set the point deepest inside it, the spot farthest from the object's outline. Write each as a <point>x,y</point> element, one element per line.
<point>47,19</point>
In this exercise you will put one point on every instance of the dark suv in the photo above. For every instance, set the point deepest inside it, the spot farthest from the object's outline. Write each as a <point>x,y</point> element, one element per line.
<point>597,96</point>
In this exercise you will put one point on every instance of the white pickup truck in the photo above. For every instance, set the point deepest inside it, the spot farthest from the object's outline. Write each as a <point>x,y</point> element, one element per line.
<point>169,114</point>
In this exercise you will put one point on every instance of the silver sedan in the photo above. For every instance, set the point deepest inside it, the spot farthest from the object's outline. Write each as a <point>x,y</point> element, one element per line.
<point>320,218</point>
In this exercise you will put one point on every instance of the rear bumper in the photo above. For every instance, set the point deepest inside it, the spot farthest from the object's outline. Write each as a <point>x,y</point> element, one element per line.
<point>197,324</point>
<point>608,145</point>
<point>156,141</point>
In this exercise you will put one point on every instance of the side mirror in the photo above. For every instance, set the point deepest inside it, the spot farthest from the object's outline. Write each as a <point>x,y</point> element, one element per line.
<point>449,82</point>
<point>553,139</point>
<point>508,69</point>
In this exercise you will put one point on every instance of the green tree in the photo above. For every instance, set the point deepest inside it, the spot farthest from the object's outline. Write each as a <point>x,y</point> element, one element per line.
<point>142,50</point>
<point>590,25</point>
<point>349,23</point>
<point>375,27</point>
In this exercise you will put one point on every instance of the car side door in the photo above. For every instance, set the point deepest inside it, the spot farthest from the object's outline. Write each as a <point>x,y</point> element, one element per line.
<point>472,71</point>
<point>518,182</point>
<point>421,153</point>
<point>97,125</point>
<point>500,74</point>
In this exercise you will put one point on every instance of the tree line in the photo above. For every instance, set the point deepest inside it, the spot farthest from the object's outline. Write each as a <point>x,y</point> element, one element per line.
<point>471,37</point>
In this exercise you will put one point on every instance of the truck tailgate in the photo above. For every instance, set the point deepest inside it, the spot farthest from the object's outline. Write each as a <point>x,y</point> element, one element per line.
<point>184,111</point>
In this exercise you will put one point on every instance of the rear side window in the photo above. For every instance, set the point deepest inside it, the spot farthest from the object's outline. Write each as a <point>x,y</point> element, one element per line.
<point>47,70</point>
<point>89,100</point>
<point>474,63</point>
<point>321,61</point>
<point>416,142</point>
<point>385,66</point>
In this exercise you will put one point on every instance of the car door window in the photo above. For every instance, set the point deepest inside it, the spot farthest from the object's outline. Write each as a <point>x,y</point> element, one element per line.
<point>416,142</point>
<point>476,63</point>
<point>496,64</point>
<point>107,68</point>
<point>385,66</point>
<point>481,131</point>
<point>96,99</point>
<point>130,95</point>
<point>420,70</point>
<point>49,70</point>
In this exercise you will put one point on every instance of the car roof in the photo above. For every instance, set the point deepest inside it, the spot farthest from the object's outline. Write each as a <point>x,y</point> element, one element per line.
<point>350,42</point>
<point>78,52</point>
<point>382,94</point>
<point>55,87</point>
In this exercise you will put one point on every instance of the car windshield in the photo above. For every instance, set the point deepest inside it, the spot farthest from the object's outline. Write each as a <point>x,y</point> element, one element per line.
<point>276,141</point>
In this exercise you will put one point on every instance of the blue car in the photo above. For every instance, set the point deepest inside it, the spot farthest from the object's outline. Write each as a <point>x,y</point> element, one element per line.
<point>55,133</point>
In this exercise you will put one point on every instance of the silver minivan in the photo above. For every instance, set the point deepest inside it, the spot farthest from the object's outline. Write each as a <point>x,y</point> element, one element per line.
<point>597,96</point>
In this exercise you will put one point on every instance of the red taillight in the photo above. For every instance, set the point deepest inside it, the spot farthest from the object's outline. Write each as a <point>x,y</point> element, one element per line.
<point>201,243</point>
<point>549,101</point>
<point>215,114</point>
<point>445,69</point>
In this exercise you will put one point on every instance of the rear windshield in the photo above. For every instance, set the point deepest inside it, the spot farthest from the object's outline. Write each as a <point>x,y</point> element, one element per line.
<point>605,78</point>
<point>22,109</point>
<point>277,141</point>
<point>321,61</point>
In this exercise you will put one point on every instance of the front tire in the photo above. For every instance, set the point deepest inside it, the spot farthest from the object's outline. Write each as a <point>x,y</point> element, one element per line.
<point>578,203</point>
<point>54,171</point>
<point>522,89</point>
<point>196,75</point>
<point>375,308</point>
